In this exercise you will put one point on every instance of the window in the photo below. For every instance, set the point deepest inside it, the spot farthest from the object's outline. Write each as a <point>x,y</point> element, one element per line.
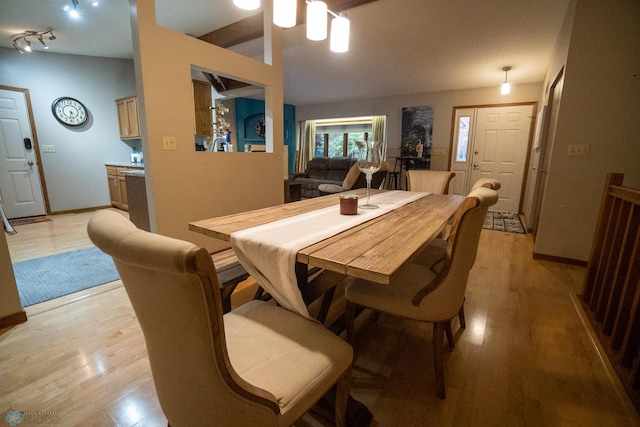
<point>463,138</point>
<point>337,137</point>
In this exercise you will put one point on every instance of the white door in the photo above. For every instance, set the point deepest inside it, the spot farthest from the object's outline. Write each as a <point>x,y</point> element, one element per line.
<point>500,151</point>
<point>20,188</point>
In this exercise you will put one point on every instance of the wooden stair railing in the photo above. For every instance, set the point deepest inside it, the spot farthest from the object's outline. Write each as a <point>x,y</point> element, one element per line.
<point>611,293</point>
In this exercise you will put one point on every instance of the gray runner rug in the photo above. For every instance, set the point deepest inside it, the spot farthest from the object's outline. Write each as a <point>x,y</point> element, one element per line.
<point>42,279</point>
<point>504,221</point>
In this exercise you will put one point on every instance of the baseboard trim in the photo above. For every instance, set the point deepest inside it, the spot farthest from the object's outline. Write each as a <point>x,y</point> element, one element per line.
<point>81,210</point>
<point>563,260</point>
<point>13,319</point>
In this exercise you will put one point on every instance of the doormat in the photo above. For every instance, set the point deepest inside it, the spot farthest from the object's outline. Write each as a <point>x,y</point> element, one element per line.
<point>46,278</point>
<point>30,220</point>
<point>504,221</point>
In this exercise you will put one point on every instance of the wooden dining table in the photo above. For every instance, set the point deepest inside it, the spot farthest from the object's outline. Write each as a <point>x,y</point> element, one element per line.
<point>376,250</point>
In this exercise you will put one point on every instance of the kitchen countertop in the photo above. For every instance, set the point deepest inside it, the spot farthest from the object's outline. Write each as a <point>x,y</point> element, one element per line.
<point>134,172</point>
<point>125,164</point>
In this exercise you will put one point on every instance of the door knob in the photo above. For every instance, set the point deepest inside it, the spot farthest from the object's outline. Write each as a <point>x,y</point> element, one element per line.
<point>475,165</point>
<point>30,163</point>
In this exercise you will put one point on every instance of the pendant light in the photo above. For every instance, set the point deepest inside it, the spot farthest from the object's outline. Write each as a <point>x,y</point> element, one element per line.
<point>339,34</point>
<point>247,4</point>
<point>505,89</point>
<point>316,20</point>
<point>284,13</point>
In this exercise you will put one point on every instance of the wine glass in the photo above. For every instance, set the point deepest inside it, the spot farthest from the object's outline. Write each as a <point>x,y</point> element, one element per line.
<point>369,162</point>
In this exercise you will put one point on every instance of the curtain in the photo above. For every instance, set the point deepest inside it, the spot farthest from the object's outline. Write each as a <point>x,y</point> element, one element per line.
<point>307,141</point>
<point>379,129</point>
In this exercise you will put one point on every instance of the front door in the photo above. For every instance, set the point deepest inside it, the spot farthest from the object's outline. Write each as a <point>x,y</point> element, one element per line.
<point>20,189</point>
<point>500,151</point>
<point>492,142</point>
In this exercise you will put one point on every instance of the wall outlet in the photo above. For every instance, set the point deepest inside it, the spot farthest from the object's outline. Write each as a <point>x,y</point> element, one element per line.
<point>169,142</point>
<point>578,150</point>
<point>48,148</point>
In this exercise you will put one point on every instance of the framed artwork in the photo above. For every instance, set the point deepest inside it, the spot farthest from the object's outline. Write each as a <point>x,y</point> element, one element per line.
<point>417,133</point>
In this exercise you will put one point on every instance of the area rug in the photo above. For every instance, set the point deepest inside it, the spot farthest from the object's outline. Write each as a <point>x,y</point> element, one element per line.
<point>504,221</point>
<point>42,279</point>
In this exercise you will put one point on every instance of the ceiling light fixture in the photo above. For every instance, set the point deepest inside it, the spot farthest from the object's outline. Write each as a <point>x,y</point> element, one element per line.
<point>340,27</point>
<point>247,4</point>
<point>22,41</point>
<point>73,9</point>
<point>285,16</point>
<point>285,13</point>
<point>505,89</point>
<point>316,20</point>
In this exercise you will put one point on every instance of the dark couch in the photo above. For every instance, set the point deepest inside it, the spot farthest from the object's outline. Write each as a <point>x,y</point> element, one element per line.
<point>330,170</point>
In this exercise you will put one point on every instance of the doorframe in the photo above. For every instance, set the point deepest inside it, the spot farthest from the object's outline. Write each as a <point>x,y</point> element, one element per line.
<point>540,182</point>
<point>532,128</point>
<point>34,140</point>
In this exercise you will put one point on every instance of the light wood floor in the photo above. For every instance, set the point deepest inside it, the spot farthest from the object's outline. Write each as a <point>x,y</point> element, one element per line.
<point>526,357</point>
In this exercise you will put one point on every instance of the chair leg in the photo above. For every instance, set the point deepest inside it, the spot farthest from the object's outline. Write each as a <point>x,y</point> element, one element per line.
<point>349,320</point>
<point>438,329</point>
<point>343,391</point>
<point>447,330</point>
<point>463,322</point>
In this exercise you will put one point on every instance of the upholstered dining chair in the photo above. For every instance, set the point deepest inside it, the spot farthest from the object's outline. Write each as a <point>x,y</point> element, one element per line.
<point>259,364</point>
<point>434,254</point>
<point>425,296</point>
<point>436,182</point>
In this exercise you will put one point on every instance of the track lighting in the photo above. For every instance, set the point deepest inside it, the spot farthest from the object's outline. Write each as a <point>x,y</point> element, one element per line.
<point>22,41</point>
<point>73,9</point>
<point>506,86</point>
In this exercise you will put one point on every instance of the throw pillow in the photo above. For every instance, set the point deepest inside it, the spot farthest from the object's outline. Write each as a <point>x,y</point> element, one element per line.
<point>352,177</point>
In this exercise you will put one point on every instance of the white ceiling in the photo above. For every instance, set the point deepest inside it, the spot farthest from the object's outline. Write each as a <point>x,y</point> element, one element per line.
<point>397,46</point>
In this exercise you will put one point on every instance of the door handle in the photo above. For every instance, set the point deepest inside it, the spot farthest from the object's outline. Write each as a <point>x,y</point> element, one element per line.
<point>476,166</point>
<point>30,163</point>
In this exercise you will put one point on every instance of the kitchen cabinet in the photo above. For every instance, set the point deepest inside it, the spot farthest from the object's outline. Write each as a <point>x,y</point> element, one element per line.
<point>202,107</point>
<point>117,185</point>
<point>128,117</point>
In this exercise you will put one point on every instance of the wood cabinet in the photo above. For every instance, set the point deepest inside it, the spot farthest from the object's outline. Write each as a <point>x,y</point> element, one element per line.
<point>117,186</point>
<point>202,108</point>
<point>128,117</point>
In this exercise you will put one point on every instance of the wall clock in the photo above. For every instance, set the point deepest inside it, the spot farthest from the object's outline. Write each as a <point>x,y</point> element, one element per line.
<point>69,111</point>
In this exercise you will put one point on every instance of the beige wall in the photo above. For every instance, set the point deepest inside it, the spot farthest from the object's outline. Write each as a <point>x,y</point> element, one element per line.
<point>185,185</point>
<point>442,102</point>
<point>600,107</point>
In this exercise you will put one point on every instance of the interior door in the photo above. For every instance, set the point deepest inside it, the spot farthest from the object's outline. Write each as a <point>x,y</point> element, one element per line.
<point>501,140</point>
<point>20,189</point>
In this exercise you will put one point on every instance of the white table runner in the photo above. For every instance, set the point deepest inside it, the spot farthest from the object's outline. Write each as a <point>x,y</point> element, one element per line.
<point>268,252</point>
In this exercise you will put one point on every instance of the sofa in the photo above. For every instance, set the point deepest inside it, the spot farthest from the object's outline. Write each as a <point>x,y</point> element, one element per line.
<point>340,173</point>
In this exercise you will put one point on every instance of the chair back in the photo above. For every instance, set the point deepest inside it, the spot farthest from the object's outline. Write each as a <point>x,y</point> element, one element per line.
<point>436,182</point>
<point>449,286</point>
<point>174,292</point>
<point>491,183</point>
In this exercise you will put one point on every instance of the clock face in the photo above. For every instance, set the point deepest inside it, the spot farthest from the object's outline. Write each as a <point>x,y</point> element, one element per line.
<point>69,111</point>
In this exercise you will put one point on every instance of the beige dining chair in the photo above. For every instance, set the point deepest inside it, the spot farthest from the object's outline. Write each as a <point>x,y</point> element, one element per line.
<point>425,296</point>
<point>258,365</point>
<point>436,182</point>
<point>434,254</point>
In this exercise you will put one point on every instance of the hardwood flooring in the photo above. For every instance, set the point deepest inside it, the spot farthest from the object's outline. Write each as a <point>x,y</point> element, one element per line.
<point>526,357</point>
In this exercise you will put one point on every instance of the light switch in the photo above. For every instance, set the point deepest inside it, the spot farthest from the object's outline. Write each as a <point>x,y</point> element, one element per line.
<point>169,142</point>
<point>578,150</point>
<point>48,148</point>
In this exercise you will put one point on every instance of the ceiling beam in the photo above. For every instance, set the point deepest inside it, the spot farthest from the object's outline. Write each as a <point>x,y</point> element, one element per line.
<point>251,28</point>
